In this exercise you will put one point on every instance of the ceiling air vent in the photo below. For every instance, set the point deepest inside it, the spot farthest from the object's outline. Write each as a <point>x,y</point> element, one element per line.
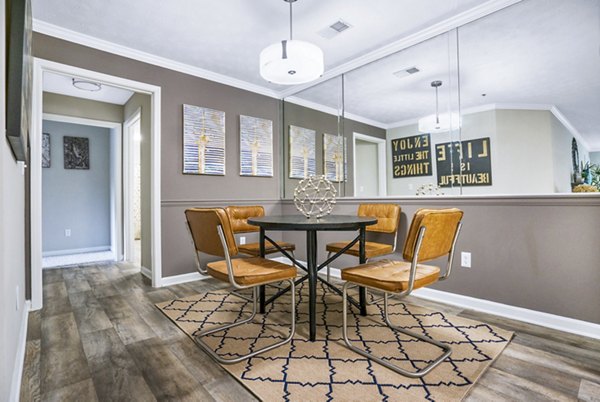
<point>334,29</point>
<point>406,72</point>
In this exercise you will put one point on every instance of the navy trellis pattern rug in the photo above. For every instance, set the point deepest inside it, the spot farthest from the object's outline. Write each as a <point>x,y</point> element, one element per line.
<point>325,369</point>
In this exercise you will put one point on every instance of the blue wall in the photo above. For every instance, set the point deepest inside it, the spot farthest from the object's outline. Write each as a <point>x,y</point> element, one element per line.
<point>76,199</point>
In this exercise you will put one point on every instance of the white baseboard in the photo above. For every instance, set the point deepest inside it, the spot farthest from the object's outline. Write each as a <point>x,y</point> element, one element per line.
<point>15,385</point>
<point>553,321</point>
<point>183,278</point>
<point>547,320</point>
<point>96,249</point>
<point>146,272</point>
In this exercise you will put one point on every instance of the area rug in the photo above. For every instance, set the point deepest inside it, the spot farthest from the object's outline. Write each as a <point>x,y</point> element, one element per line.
<point>326,370</point>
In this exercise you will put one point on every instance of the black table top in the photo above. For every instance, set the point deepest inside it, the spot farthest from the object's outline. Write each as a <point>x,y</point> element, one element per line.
<point>300,222</point>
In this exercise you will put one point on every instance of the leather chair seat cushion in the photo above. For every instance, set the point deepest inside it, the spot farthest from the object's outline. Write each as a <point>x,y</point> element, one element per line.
<point>253,249</point>
<point>390,275</point>
<point>252,271</point>
<point>372,249</point>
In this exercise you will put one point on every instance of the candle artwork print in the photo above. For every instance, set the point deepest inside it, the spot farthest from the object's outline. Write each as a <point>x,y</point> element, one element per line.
<point>303,162</point>
<point>334,150</point>
<point>256,147</point>
<point>203,141</point>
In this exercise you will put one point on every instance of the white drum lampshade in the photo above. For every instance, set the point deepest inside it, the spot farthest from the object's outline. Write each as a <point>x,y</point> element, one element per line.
<point>291,62</point>
<point>442,123</point>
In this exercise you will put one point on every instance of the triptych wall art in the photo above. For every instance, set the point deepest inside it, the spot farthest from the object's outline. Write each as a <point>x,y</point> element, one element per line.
<point>334,157</point>
<point>203,141</point>
<point>76,152</point>
<point>45,150</point>
<point>256,146</point>
<point>303,162</point>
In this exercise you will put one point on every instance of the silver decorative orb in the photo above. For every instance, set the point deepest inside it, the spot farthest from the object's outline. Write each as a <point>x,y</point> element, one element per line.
<point>314,196</point>
<point>429,189</point>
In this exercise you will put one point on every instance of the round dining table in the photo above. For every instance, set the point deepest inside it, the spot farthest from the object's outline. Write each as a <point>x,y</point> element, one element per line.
<point>311,226</point>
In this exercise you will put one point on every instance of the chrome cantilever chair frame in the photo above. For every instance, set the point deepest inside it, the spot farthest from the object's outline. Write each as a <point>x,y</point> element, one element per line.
<point>254,301</point>
<point>413,271</point>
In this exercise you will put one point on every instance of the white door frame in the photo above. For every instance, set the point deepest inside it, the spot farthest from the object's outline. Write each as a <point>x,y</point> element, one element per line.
<point>39,67</point>
<point>116,207</point>
<point>128,171</point>
<point>381,158</point>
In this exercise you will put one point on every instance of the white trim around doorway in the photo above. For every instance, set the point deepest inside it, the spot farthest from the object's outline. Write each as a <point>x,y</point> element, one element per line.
<point>381,158</point>
<point>128,179</point>
<point>39,67</point>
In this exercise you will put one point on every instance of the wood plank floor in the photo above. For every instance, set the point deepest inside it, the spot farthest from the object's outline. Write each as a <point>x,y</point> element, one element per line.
<point>99,337</point>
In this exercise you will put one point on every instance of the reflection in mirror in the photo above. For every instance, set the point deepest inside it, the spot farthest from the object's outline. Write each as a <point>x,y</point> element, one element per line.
<point>507,104</point>
<point>530,82</point>
<point>314,116</point>
<point>414,95</point>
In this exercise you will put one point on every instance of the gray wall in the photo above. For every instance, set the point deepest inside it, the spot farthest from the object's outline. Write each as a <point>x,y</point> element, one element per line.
<point>12,242</point>
<point>143,102</point>
<point>76,199</point>
<point>537,253</point>
<point>595,157</point>
<point>78,107</point>
<point>179,191</point>
<point>321,122</point>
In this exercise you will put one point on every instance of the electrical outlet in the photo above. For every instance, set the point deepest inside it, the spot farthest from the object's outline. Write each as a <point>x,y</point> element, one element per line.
<point>465,259</point>
<point>242,239</point>
<point>67,232</point>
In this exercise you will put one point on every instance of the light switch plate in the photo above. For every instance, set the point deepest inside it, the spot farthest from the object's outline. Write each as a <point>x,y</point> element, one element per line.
<point>465,259</point>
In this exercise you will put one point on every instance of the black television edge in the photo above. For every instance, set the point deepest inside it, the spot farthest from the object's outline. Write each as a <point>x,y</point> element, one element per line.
<point>19,77</point>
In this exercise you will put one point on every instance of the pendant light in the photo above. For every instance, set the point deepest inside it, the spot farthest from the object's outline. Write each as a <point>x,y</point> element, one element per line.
<point>291,62</point>
<point>439,123</point>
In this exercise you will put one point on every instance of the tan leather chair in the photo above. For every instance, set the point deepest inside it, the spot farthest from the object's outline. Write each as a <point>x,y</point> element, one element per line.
<point>388,218</point>
<point>432,234</point>
<point>212,234</point>
<point>238,216</point>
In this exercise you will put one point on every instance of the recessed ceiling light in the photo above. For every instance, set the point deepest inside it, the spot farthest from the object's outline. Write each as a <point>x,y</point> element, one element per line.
<point>87,85</point>
<point>405,72</point>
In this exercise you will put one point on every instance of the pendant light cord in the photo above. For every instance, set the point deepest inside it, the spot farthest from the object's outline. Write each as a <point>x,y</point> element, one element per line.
<point>437,115</point>
<point>291,20</point>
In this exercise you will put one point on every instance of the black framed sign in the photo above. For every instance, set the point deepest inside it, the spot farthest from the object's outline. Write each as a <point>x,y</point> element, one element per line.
<point>473,169</point>
<point>411,156</point>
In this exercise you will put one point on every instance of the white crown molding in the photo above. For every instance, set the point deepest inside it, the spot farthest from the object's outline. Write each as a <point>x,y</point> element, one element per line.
<point>514,106</point>
<point>441,27</point>
<point>110,47</point>
<point>561,117</point>
<point>333,111</point>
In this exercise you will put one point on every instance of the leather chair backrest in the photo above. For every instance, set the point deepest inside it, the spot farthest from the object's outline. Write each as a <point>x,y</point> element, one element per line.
<point>238,216</point>
<point>440,229</point>
<point>203,223</point>
<point>388,216</point>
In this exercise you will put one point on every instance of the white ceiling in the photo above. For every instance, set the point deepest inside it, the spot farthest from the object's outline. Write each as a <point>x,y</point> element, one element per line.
<point>62,84</point>
<point>227,36</point>
<point>536,53</point>
<point>541,52</point>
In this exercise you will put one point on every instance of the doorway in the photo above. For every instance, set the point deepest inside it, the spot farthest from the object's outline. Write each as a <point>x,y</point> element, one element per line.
<point>81,194</point>
<point>153,92</point>
<point>132,201</point>
<point>369,166</point>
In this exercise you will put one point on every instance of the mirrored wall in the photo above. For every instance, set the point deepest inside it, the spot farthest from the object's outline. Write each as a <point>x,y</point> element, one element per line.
<point>506,105</point>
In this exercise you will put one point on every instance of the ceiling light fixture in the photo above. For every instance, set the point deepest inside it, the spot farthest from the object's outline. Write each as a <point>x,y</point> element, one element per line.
<point>439,123</point>
<point>87,85</point>
<point>291,62</point>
